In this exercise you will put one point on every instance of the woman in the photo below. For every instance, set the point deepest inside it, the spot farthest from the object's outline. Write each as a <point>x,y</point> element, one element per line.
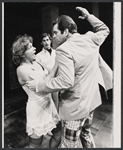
<point>41,113</point>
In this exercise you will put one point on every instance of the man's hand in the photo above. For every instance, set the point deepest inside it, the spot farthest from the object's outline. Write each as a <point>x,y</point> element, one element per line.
<point>38,86</point>
<point>84,12</point>
<point>31,85</point>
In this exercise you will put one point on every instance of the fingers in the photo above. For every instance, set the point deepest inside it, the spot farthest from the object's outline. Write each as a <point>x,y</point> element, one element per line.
<point>80,17</point>
<point>78,8</point>
<point>30,85</point>
<point>31,77</point>
<point>83,11</point>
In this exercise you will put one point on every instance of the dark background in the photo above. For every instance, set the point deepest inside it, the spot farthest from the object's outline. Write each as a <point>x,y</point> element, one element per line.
<point>35,18</point>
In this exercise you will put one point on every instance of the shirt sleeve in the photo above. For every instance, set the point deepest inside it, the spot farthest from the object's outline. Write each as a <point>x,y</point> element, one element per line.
<point>65,75</point>
<point>101,31</point>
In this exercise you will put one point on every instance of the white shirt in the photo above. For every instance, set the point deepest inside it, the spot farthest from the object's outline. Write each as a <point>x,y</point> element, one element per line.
<point>46,59</point>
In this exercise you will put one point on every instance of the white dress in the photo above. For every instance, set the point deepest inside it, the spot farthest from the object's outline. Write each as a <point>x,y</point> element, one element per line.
<point>41,112</point>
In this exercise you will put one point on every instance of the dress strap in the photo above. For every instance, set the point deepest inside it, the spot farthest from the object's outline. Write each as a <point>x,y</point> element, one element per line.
<point>40,65</point>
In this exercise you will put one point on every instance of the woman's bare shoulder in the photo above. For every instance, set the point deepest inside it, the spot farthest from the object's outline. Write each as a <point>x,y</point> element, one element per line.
<point>22,70</point>
<point>22,73</point>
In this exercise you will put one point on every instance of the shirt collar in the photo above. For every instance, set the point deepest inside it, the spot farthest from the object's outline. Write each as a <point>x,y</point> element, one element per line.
<point>46,51</point>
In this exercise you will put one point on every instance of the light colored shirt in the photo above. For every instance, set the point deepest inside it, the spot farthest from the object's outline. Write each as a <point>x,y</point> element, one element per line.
<point>46,59</point>
<point>81,68</point>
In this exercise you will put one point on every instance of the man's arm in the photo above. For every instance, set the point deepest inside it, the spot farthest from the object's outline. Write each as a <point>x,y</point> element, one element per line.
<point>101,30</point>
<point>65,77</point>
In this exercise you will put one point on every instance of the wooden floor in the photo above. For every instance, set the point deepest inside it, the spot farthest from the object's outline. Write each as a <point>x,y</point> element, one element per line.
<point>15,122</point>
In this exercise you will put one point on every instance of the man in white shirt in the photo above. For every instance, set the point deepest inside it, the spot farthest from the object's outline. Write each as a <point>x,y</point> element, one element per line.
<point>47,56</point>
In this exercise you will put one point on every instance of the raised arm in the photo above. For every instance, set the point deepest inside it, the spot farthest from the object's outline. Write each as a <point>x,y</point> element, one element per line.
<point>101,30</point>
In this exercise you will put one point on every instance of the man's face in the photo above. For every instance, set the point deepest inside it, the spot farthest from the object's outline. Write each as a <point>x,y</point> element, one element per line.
<point>58,37</point>
<point>46,42</point>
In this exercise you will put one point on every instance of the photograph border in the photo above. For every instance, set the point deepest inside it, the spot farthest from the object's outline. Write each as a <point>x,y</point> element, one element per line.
<point>117,67</point>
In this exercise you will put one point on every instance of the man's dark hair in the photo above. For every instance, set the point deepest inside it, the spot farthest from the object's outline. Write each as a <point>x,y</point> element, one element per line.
<point>45,35</point>
<point>66,22</point>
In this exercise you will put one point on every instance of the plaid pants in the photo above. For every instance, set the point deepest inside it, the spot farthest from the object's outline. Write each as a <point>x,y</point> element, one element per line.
<point>77,134</point>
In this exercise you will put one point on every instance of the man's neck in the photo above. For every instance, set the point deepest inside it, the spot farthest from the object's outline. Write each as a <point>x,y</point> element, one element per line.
<point>69,35</point>
<point>47,49</point>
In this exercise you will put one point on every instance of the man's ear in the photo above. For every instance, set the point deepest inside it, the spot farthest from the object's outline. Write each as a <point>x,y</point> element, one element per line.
<point>66,32</point>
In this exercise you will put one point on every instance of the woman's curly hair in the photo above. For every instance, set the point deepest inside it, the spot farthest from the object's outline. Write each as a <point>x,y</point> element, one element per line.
<point>19,47</point>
